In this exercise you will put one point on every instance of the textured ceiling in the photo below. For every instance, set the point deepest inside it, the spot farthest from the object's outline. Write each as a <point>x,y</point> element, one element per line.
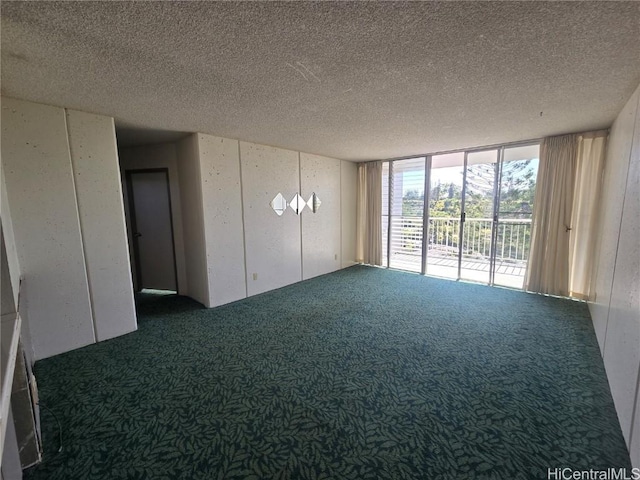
<point>349,80</point>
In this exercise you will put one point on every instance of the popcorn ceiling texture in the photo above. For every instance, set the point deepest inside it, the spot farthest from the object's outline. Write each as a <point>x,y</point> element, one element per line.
<point>348,80</point>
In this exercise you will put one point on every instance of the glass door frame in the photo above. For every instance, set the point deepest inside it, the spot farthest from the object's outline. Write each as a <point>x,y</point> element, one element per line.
<point>497,190</point>
<point>496,215</point>
<point>495,199</point>
<point>389,208</point>
<point>425,213</point>
<point>463,213</point>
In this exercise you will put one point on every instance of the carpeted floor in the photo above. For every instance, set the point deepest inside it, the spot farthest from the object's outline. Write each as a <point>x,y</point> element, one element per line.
<point>363,373</point>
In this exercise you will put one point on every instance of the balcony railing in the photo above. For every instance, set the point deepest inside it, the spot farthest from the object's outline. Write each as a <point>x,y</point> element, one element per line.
<point>512,241</point>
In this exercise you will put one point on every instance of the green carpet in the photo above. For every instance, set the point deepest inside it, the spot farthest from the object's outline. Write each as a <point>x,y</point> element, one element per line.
<point>363,373</point>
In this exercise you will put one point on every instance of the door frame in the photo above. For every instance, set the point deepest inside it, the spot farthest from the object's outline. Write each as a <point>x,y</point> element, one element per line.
<point>495,200</point>
<point>133,223</point>
<point>496,195</point>
<point>495,207</point>
<point>497,191</point>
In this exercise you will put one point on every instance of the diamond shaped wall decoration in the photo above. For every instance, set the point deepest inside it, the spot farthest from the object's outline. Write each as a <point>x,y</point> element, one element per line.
<point>314,202</point>
<point>298,204</point>
<point>279,204</point>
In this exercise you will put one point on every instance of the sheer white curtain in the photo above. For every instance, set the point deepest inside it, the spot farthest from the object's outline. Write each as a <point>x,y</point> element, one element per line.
<point>565,214</point>
<point>584,219</point>
<point>369,214</point>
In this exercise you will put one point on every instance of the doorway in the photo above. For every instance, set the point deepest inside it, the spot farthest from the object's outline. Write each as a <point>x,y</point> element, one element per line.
<point>479,214</point>
<point>154,262</point>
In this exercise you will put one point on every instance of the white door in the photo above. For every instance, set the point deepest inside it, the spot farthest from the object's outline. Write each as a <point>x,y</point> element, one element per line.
<point>152,227</point>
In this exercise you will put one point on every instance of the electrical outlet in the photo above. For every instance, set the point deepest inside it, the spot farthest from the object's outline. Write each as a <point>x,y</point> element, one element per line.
<point>255,276</point>
<point>335,257</point>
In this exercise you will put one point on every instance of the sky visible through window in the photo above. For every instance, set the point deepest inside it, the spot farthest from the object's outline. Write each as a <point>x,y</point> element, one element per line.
<point>453,175</point>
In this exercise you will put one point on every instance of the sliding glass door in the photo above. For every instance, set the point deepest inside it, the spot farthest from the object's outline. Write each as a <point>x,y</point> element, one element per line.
<point>480,178</point>
<point>445,208</point>
<point>477,214</point>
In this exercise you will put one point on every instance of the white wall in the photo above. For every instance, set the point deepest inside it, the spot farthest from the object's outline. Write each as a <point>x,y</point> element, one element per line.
<point>272,243</point>
<point>44,214</point>
<point>13,264</point>
<point>348,196</point>
<point>61,176</point>
<point>616,305</point>
<point>321,249</point>
<point>192,219</point>
<point>230,190</point>
<point>65,226</point>
<point>159,156</point>
<point>225,229</point>
<point>223,221</point>
<point>94,156</point>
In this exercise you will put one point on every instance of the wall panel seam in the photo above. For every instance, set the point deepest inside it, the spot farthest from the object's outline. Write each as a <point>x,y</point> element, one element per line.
<point>341,238</point>
<point>300,218</point>
<point>80,228</point>
<point>244,235</point>
<point>203,234</point>
<point>615,259</point>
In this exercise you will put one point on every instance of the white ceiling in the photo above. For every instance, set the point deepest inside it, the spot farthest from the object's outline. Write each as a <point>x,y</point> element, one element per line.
<point>359,80</point>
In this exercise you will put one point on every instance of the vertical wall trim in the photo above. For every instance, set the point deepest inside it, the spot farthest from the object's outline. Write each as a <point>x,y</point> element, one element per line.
<point>615,259</point>
<point>463,214</point>
<point>203,233</point>
<point>300,218</point>
<point>84,253</point>
<point>244,235</point>
<point>341,238</point>
<point>123,222</point>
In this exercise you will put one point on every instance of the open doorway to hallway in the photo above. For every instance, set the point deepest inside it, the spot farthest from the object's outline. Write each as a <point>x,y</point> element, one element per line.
<point>150,178</point>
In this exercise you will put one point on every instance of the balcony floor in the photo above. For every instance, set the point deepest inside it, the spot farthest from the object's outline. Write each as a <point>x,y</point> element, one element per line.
<point>507,274</point>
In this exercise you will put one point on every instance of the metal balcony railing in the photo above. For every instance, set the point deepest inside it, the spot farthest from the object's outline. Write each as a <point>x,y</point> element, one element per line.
<point>512,241</point>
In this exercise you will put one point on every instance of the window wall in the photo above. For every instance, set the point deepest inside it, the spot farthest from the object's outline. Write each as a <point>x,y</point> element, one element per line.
<point>461,215</point>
